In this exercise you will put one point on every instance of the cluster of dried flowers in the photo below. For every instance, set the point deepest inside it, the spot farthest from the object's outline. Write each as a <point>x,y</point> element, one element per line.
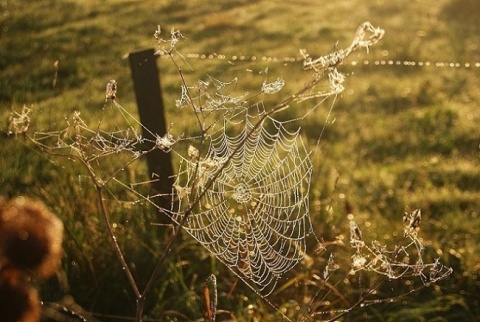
<point>30,249</point>
<point>404,260</point>
<point>18,123</point>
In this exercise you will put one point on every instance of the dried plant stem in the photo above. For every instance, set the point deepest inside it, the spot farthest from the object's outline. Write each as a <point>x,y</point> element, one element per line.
<point>153,277</point>
<point>114,241</point>
<point>279,107</point>
<point>324,68</point>
<point>99,186</point>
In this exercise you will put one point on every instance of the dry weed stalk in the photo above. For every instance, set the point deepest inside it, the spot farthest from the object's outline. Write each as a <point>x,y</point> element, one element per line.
<point>89,146</point>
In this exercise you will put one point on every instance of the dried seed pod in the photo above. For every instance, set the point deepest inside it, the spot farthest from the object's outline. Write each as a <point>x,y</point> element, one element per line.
<point>111,90</point>
<point>355,233</point>
<point>210,298</point>
<point>331,267</point>
<point>415,220</point>
<point>18,123</point>
<point>411,221</point>
<point>193,152</point>
<point>30,237</point>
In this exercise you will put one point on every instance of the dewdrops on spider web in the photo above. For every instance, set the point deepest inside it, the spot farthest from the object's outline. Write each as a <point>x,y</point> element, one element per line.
<point>405,259</point>
<point>211,95</point>
<point>330,267</point>
<point>193,153</point>
<point>367,35</point>
<point>175,37</point>
<point>252,188</point>
<point>273,87</point>
<point>165,142</point>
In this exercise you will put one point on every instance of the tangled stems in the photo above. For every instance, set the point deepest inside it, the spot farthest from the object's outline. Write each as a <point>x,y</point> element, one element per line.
<point>78,147</point>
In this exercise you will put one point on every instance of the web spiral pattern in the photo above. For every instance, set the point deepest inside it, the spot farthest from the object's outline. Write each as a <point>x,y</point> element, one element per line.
<point>254,216</point>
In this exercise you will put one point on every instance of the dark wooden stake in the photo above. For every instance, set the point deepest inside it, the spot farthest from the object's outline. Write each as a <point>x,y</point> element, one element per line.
<point>148,94</point>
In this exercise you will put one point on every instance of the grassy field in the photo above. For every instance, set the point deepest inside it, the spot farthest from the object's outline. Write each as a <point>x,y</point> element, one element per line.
<point>399,137</point>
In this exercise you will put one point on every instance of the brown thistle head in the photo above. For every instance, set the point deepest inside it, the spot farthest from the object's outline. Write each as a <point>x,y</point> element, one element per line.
<point>30,237</point>
<point>18,302</point>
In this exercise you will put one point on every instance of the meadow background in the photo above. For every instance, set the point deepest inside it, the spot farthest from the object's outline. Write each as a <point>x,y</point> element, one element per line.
<point>403,137</point>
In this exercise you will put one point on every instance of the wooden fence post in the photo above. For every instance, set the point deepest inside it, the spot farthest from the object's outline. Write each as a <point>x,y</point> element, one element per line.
<point>148,94</point>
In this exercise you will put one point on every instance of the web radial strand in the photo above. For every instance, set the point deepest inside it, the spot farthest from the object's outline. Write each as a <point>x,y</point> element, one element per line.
<point>254,216</point>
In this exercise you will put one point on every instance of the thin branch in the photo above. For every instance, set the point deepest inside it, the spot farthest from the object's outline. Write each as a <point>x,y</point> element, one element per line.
<point>114,241</point>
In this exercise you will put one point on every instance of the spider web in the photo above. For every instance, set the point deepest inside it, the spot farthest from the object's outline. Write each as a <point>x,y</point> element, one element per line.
<point>252,186</point>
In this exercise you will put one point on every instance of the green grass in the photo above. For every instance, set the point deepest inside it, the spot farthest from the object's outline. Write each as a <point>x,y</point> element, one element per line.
<point>403,137</point>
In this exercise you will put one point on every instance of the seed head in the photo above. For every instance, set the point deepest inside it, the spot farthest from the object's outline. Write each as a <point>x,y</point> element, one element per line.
<point>355,233</point>
<point>30,237</point>
<point>193,152</point>
<point>411,222</point>
<point>18,302</point>
<point>18,123</point>
<point>111,90</point>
